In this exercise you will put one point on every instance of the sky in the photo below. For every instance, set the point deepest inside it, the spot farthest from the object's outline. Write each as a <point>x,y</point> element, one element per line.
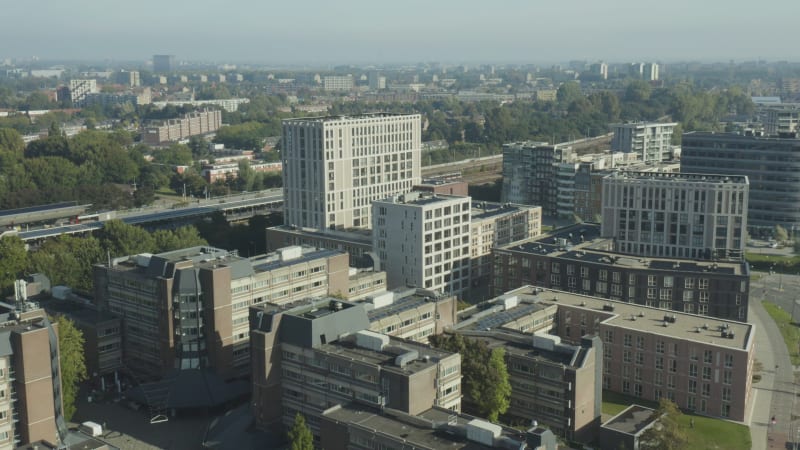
<point>320,32</point>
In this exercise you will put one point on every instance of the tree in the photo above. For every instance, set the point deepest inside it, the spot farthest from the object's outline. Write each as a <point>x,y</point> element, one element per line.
<point>68,260</point>
<point>568,93</point>
<point>780,234</point>
<point>13,261</point>
<point>183,237</point>
<point>485,375</point>
<point>667,433</point>
<point>300,437</point>
<point>121,239</point>
<point>73,363</point>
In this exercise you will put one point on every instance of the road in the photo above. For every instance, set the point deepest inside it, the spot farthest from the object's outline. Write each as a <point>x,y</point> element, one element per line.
<point>775,395</point>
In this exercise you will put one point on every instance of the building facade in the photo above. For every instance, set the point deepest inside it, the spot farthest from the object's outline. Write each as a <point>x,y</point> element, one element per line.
<point>192,124</point>
<point>782,120</point>
<point>770,164</point>
<point>188,308</point>
<point>31,407</point>
<point>338,83</point>
<point>574,259</point>
<point>163,63</point>
<point>80,89</point>
<point>310,358</point>
<point>651,140</point>
<point>495,224</point>
<point>357,243</point>
<point>529,173</point>
<point>423,240</point>
<point>677,215</point>
<point>333,167</point>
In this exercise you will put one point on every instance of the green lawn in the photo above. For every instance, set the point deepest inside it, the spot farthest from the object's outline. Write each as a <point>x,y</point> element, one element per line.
<point>789,330</point>
<point>707,434</point>
<point>778,263</point>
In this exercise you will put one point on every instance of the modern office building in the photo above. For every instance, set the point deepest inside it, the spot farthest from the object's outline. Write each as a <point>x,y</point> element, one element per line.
<point>652,141</point>
<point>357,427</point>
<point>782,120</point>
<point>771,165</point>
<point>576,259</point>
<point>188,308</point>
<point>310,358</point>
<point>423,240</point>
<point>497,224</point>
<point>79,89</point>
<point>31,407</point>
<point>677,215</point>
<point>163,63</point>
<point>192,124</point>
<point>334,167</point>
<point>376,81</point>
<point>529,173</point>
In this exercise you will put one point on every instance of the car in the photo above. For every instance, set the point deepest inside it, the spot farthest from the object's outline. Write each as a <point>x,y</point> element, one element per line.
<point>773,245</point>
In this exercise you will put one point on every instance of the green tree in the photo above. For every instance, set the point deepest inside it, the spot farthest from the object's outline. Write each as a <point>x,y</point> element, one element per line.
<point>485,375</point>
<point>667,433</point>
<point>122,239</point>
<point>68,260</point>
<point>73,363</point>
<point>780,234</point>
<point>183,237</point>
<point>568,93</point>
<point>300,437</point>
<point>13,261</point>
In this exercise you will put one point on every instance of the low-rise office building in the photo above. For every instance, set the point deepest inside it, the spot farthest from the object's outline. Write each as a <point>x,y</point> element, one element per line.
<point>188,308</point>
<point>414,314</point>
<point>309,358</point>
<point>576,259</point>
<point>354,427</point>
<point>553,383</point>
<point>700,364</point>
<point>356,243</point>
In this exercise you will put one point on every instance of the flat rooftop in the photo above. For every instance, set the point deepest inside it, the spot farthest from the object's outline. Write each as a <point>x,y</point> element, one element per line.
<point>486,210</point>
<point>679,177</point>
<point>346,347</point>
<point>690,327</point>
<point>417,431</point>
<point>564,357</point>
<point>355,236</point>
<point>377,115</point>
<point>582,243</point>
<point>420,198</point>
<point>631,420</point>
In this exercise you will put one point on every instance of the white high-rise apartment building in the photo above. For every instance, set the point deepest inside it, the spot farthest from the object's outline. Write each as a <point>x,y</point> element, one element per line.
<point>679,215</point>
<point>334,167</point>
<point>79,89</point>
<point>423,240</point>
<point>651,71</point>
<point>652,141</point>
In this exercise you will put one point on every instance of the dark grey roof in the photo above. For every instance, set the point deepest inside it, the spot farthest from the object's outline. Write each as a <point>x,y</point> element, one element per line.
<point>191,388</point>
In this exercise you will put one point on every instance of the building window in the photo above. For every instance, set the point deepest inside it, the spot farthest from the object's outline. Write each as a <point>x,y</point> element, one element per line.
<point>659,346</point>
<point>693,370</point>
<point>692,386</point>
<point>708,356</point>
<point>706,373</point>
<point>659,363</point>
<point>706,390</point>
<point>728,360</point>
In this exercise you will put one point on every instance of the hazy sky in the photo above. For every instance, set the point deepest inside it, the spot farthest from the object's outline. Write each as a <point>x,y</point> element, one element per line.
<point>378,31</point>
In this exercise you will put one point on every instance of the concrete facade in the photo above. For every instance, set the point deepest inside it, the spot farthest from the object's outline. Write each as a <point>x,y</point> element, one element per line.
<point>676,214</point>
<point>333,167</point>
<point>650,140</point>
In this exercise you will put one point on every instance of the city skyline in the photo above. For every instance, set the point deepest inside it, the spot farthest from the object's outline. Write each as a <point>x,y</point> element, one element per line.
<point>357,32</point>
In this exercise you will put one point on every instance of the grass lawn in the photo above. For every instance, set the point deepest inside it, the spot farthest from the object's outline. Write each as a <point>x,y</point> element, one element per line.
<point>779,263</point>
<point>707,434</point>
<point>789,330</point>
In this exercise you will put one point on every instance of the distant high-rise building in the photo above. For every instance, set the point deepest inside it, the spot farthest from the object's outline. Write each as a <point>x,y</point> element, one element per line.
<point>333,167</point>
<point>163,63</point>
<point>376,81</point>
<point>529,173</point>
<point>129,78</point>
<point>652,141</point>
<point>600,69</point>
<point>79,89</point>
<point>338,83</point>
<point>651,71</point>
<point>636,70</point>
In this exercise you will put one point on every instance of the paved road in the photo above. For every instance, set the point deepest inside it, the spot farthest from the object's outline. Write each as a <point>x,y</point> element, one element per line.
<point>775,395</point>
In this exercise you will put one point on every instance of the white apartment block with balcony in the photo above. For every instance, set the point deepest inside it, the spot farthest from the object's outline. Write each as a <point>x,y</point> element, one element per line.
<point>676,215</point>
<point>423,240</point>
<point>334,167</point>
<point>652,141</point>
